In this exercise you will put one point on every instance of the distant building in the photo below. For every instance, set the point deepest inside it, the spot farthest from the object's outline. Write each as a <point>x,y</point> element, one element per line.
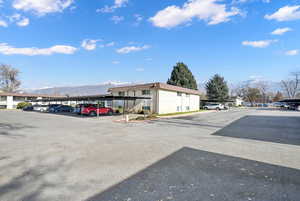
<point>11,100</point>
<point>164,98</point>
<point>238,101</point>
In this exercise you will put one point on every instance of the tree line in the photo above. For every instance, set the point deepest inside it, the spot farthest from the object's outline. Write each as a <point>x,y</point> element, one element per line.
<point>217,88</point>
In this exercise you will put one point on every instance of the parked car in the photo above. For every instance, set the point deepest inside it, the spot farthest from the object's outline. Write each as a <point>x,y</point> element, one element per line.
<point>285,106</point>
<point>52,106</point>
<point>78,107</point>
<point>92,110</point>
<point>28,108</point>
<point>277,104</point>
<point>62,108</point>
<point>214,106</point>
<point>40,108</point>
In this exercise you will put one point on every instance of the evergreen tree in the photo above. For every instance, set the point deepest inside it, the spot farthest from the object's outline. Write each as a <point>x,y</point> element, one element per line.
<point>181,76</point>
<point>217,89</point>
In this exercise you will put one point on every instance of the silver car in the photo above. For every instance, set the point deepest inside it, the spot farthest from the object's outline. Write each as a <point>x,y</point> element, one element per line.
<point>40,108</point>
<point>214,106</point>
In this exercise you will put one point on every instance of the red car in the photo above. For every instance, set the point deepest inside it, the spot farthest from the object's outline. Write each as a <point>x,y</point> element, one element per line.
<point>92,110</point>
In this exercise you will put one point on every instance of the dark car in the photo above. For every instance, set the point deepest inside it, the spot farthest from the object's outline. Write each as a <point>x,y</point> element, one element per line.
<point>52,106</point>
<point>61,108</point>
<point>28,108</point>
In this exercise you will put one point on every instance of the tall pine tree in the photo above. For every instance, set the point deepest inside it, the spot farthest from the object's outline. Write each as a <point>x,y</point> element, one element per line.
<point>181,76</point>
<point>217,89</point>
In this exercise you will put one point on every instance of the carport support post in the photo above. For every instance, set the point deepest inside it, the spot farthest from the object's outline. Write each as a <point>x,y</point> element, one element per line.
<point>98,109</point>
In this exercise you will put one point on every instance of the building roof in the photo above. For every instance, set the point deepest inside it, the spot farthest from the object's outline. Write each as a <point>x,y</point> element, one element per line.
<point>290,101</point>
<point>104,97</point>
<point>30,95</point>
<point>156,85</point>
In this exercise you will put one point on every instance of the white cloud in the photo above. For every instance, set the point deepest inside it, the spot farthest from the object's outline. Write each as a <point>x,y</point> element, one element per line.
<point>89,44</point>
<point>286,13</point>
<point>111,44</point>
<point>33,51</point>
<point>117,19</point>
<point>209,11</point>
<point>42,7</point>
<point>281,31</point>
<point>14,17</point>
<point>129,49</point>
<point>246,1</point>
<point>259,44</point>
<point>111,9</point>
<point>19,19</point>
<point>24,22</point>
<point>292,52</point>
<point>115,62</point>
<point>138,19</point>
<point>3,23</point>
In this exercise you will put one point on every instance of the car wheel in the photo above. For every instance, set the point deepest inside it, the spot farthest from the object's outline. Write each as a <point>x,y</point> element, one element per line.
<point>93,114</point>
<point>206,108</point>
<point>218,108</point>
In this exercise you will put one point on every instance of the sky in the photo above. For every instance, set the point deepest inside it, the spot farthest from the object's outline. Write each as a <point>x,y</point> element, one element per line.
<point>81,42</point>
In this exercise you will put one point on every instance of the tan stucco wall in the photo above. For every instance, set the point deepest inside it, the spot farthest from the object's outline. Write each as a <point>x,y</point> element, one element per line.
<point>170,102</point>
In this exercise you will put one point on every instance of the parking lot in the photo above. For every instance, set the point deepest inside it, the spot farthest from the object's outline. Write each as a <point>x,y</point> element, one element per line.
<point>241,154</point>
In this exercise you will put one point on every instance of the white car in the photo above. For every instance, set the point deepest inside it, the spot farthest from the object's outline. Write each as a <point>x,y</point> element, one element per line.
<point>40,108</point>
<point>215,106</point>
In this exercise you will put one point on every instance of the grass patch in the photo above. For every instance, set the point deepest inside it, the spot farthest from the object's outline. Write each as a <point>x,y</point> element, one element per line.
<point>179,113</point>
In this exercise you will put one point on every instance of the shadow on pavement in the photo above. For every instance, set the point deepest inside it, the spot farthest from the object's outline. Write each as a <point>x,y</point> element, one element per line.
<point>187,123</point>
<point>71,114</point>
<point>32,183</point>
<point>193,175</point>
<point>279,129</point>
<point>9,130</point>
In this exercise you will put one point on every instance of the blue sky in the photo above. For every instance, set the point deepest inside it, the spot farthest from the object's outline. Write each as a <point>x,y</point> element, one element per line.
<point>78,42</point>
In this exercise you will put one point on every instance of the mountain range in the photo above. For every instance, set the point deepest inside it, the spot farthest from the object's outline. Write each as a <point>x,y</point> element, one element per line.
<point>97,89</point>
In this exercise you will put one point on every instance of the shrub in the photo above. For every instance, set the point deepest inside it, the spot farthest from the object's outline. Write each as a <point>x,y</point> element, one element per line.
<point>22,105</point>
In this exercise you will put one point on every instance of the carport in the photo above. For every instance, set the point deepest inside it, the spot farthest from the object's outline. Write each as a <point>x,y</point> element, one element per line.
<point>93,98</point>
<point>293,103</point>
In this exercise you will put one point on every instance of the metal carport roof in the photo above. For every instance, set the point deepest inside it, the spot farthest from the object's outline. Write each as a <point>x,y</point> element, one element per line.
<point>91,98</point>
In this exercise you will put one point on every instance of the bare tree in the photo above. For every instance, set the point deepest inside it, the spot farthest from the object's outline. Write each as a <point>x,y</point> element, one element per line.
<point>248,93</point>
<point>263,88</point>
<point>9,81</point>
<point>278,96</point>
<point>291,86</point>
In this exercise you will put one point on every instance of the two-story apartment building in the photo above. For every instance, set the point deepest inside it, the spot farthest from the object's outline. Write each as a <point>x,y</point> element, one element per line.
<point>164,98</point>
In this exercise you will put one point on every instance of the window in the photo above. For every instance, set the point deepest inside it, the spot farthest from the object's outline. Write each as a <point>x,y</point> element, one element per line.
<point>147,108</point>
<point>16,98</point>
<point>179,94</point>
<point>2,98</point>
<point>187,108</point>
<point>179,108</point>
<point>121,93</point>
<point>146,92</point>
